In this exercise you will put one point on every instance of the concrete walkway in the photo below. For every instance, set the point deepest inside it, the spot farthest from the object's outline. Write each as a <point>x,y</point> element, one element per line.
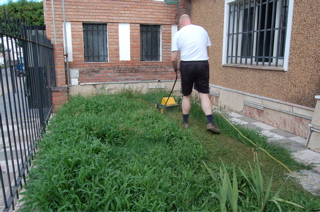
<point>309,179</point>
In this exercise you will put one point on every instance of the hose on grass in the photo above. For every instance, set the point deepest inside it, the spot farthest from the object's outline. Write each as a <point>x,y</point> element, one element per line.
<point>275,159</point>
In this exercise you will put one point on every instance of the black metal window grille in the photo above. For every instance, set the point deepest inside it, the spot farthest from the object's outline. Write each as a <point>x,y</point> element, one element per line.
<point>150,42</point>
<point>95,42</point>
<point>257,32</point>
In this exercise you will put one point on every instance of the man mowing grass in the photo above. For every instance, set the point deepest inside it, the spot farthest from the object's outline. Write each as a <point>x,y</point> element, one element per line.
<point>192,42</point>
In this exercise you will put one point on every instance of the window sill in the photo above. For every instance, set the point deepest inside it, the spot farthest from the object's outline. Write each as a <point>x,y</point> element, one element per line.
<point>268,68</point>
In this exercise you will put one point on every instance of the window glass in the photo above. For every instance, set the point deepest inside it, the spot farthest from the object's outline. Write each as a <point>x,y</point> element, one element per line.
<point>150,42</point>
<point>256,32</point>
<point>95,42</point>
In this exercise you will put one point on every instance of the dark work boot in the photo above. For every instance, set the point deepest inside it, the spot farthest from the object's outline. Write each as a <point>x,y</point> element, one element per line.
<point>212,128</point>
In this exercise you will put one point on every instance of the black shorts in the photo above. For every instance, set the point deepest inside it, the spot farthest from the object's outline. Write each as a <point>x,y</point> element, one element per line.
<point>194,73</point>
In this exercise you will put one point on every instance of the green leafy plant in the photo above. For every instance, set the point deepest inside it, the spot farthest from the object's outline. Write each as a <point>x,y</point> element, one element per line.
<point>253,190</point>
<point>228,190</point>
<point>29,12</point>
<point>263,195</point>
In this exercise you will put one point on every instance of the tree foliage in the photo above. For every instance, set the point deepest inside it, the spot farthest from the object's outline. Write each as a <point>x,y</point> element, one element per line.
<point>29,12</point>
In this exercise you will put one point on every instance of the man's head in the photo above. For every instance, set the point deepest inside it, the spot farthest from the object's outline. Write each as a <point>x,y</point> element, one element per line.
<point>184,20</point>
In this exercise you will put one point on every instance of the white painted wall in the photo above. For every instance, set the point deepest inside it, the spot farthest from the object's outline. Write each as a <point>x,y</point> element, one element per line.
<point>12,50</point>
<point>124,42</point>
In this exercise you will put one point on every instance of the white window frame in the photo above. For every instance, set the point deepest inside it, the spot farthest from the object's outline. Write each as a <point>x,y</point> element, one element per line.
<point>284,63</point>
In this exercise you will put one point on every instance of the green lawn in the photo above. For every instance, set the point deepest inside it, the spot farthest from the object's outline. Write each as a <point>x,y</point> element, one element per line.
<point>119,153</point>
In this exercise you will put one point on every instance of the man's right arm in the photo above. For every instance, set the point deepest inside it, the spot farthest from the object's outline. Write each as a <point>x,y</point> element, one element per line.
<point>174,60</point>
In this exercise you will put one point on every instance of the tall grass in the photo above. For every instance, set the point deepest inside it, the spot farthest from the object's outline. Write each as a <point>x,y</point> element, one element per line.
<point>117,153</point>
<point>252,138</point>
<point>114,153</point>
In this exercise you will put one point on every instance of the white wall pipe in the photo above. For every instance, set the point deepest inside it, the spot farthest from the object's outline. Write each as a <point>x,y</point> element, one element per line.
<point>65,43</point>
<point>54,23</point>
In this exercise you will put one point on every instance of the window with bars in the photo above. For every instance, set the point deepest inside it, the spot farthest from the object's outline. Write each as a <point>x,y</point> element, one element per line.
<point>95,42</point>
<point>256,32</point>
<point>150,42</point>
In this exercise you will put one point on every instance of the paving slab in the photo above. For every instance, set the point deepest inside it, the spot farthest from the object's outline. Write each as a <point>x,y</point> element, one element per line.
<point>264,126</point>
<point>307,156</point>
<point>247,119</point>
<point>236,115</point>
<point>283,133</point>
<point>253,127</point>
<point>300,140</point>
<point>289,144</point>
<point>238,121</point>
<point>309,179</point>
<point>271,136</point>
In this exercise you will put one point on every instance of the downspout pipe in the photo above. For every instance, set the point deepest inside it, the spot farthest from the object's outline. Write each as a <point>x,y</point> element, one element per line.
<point>53,22</point>
<point>65,45</point>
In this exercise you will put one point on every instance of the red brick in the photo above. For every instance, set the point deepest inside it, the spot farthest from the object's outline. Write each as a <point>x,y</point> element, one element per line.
<point>135,12</point>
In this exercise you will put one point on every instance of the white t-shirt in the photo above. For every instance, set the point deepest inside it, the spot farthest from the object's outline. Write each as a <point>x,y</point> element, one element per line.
<point>192,42</point>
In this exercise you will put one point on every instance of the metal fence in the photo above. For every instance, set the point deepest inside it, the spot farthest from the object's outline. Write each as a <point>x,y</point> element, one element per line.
<point>26,78</point>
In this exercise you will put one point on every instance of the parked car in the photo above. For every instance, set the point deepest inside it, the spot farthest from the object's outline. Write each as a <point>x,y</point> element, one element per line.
<point>20,69</point>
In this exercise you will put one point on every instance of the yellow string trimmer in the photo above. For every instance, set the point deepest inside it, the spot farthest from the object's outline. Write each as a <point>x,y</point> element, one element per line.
<point>168,101</point>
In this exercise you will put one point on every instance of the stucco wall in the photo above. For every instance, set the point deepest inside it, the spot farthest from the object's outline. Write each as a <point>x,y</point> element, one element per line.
<point>298,85</point>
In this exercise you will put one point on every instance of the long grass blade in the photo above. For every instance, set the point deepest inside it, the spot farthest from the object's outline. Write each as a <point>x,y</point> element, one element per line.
<point>234,192</point>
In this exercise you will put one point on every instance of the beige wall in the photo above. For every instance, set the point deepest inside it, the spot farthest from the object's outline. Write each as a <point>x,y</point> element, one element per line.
<point>298,85</point>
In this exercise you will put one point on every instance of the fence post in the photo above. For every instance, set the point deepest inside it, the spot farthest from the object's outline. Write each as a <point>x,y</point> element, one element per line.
<point>39,83</point>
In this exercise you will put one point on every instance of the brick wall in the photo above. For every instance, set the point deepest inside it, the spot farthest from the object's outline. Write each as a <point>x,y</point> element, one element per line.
<point>112,12</point>
<point>59,97</point>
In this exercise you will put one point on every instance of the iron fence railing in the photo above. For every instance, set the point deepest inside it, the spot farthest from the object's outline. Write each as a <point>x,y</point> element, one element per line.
<point>26,78</point>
